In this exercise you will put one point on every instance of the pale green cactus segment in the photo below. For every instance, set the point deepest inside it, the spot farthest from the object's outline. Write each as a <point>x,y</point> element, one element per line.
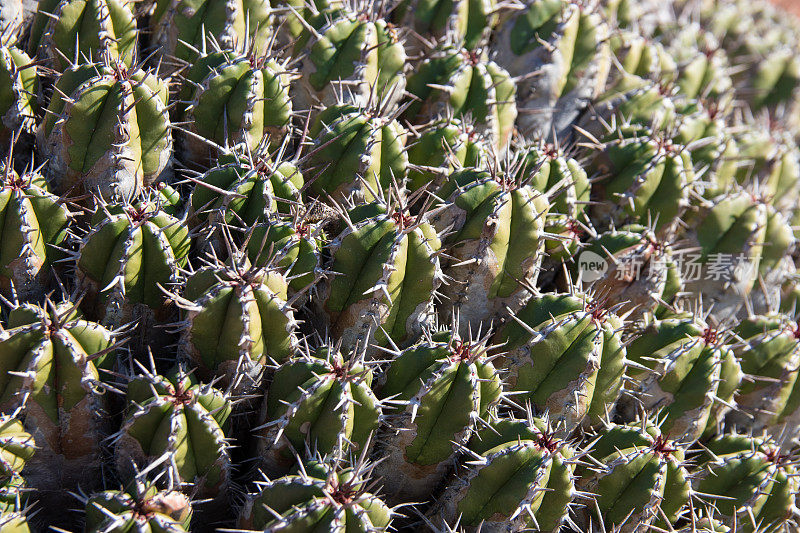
<point>51,375</point>
<point>32,223</point>
<point>646,180</point>
<point>565,44</point>
<point>385,273</point>
<point>704,75</point>
<point>16,446</point>
<point>440,149</point>
<point>521,476</point>
<point>702,130</point>
<point>439,389</point>
<point>779,242</point>
<point>323,495</point>
<point>181,28</point>
<point>19,85</point>
<point>467,83</point>
<point>133,254</point>
<point>353,144</point>
<point>776,80</point>
<point>739,477</point>
<point>733,226</point>
<point>235,192</point>
<point>632,101</point>
<point>639,475</point>
<point>548,170</point>
<point>681,384</point>
<point>557,350</point>
<point>13,493</point>
<point>356,58</point>
<point>638,56</point>
<point>495,241</point>
<point>237,104</point>
<point>236,320</point>
<point>108,131</point>
<point>176,415</point>
<point>138,507</point>
<point>320,401</point>
<point>639,266</point>
<point>768,350</point>
<point>295,248</point>
<point>554,507</point>
<point>65,30</point>
<point>466,21</point>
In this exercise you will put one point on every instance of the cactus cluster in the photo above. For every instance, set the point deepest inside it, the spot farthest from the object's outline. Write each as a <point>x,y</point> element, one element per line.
<point>399,265</point>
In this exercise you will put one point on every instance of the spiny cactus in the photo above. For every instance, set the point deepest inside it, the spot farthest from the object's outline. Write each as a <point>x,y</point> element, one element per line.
<point>382,279</point>
<point>317,401</point>
<point>437,391</point>
<point>639,475</point>
<point>35,223</point>
<point>326,494</point>
<point>564,354</point>
<point>178,416</point>
<point>107,131</point>
<point>464,83</point>
<point>494,234</point>
<point>180,29</point>
<point>52,378</point>
<point>133,254</point>
<point>235,100</point>
<point>558,51</point>
<point>356,57</point>
<point>20,81</point>
<point>236,319</point>
<point>520,476</point>
<point>139,506</point>
<point>80,30</point>
<point>677,370</point>
<point>749,482</point>
<point>356,150</point>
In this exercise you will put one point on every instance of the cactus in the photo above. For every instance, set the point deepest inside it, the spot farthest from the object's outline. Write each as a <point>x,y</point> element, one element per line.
<point>20,79</point>
<point>138,507</point>
<point>180,29</point>
<point>107,131</point>
<point>464,82</point>
<point>520,477</point>
<point>384,273</point>
<point>176,415</point>
<point>441,148</point>
<point>55,384</point>
<point>320,401</point>
<point>550,171</point>
<point>35,222</point>
<point>356,150</point>
<point>292,246</point>
<point>467,21</point>
<point>327,494</point>
<point>77,30</point>
<point>677,372</point>
<point>355,57</point>
<point>235,101</point>
<point>640,272</point>
<point>131,256</point>
<point>647,179</point>
<point>768,351</point>
<point>236,319</point>
<point>438,390</point>
<point>728,232</point>
<point>640,476</point>
<point>558,50</point>
<point>564,354</point>
<point>496,239</point>
<point>748,481</point>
